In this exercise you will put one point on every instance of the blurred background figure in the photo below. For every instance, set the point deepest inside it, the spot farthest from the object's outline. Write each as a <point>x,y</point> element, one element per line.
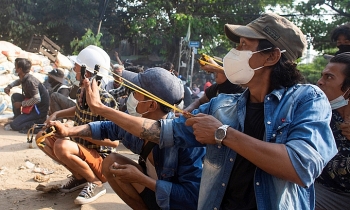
<point>341,35</point>
<point>59,92</point>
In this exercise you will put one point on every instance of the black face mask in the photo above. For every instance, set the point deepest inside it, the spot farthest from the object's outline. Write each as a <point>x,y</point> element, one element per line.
<point>342,49</point>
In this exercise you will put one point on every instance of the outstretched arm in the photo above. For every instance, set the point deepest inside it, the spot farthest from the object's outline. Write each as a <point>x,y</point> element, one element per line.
<point>141,127</point>
<point>83,131</point>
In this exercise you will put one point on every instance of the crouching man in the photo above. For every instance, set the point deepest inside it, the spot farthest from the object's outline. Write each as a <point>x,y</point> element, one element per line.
<point>166,178</point>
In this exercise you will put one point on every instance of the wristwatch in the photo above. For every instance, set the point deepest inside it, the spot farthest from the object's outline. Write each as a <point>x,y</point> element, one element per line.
<point>220,134</point>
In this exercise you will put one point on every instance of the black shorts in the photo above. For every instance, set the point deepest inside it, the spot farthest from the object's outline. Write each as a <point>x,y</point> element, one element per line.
<point>149,198</point>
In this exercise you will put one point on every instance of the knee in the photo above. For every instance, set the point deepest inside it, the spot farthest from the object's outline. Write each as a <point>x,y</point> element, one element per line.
<point>16,124</point>
<point>107,162</point>
<point>17,97</point>
<point>60,148</point>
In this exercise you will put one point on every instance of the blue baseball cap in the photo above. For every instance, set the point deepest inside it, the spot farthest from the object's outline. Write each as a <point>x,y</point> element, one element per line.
<point>159,82</point>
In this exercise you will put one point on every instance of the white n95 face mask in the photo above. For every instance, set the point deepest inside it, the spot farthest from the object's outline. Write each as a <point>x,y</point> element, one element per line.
<point>237,68</point>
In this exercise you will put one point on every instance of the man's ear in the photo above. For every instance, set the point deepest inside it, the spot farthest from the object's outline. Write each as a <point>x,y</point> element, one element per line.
<point>153,106</point>
<point>273,57</point>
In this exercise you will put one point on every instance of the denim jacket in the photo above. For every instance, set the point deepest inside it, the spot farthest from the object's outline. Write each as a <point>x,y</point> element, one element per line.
<point>179,170</point>
<point>298,117</point>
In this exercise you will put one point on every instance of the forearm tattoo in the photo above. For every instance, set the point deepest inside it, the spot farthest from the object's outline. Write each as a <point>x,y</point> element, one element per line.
<point>86,132</point>
<point>150,131</point>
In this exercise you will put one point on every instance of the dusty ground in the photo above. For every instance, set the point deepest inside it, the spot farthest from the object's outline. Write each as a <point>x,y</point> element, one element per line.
<point>18,188</point>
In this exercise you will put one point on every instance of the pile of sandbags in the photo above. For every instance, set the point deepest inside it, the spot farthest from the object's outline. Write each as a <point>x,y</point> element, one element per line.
<point>41,66</point>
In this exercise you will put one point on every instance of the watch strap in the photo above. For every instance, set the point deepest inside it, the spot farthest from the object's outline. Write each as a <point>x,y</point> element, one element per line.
<point>219,141</point>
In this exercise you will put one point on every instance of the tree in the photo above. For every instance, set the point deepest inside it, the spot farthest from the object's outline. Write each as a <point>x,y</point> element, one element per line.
<point>88,39</point>
<point>312,71</point>
<point>61,21</point>
<point>320,17</point>
<point>152,27</point>
<point>16,23</point>
<point>65,20</point>
<point>156,26</point>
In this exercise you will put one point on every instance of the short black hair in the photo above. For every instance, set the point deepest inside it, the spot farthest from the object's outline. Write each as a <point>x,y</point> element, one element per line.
<point>168,66</point>
<point>343,58</point>
<point>23,63</point>
<point>341,30</point>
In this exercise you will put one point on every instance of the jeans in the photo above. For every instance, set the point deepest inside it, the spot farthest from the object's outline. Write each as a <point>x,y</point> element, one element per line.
<point>24,121</point>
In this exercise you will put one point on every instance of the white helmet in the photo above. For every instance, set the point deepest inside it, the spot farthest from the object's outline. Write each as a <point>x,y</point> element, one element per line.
<point>92,55</point>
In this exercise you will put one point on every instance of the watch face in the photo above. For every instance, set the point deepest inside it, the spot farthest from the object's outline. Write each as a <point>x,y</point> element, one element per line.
<point>220,133</point>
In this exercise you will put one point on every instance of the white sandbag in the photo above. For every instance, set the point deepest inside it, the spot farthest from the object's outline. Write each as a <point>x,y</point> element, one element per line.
<point>46,69</point>
<point>6,67</point>
<point>8,46</point>
<point>23,54</point>
<point>63,62</point>
<point>3,58</point>
<point>6,79</point>
<point>36,68</point>
<point>37,59</point>
<point>10,50</point>
<point>41,77</point>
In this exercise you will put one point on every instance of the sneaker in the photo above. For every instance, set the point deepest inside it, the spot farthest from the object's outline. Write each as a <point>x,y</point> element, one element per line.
<point>73,184</point>
<point>90,193</point>
<point>7,127</point>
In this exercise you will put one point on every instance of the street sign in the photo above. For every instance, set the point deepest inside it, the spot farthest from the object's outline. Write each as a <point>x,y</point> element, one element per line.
<point>194,44</point>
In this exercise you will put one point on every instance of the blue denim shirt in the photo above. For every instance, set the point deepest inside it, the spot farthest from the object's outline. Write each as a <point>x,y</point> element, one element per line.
<point>179,170</point>
<point>298,117</point>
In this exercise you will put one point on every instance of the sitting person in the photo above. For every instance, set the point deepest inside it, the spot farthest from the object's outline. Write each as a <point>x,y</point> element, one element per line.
<point>82,156</point>
<point>122,100</point>
<point>59,93</point>
<point>164,178</point>
<point>333,185</point>
<point>114,87</point>
<point>30,107</point>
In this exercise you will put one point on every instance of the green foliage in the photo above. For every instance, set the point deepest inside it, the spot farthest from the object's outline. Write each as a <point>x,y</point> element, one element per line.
<point>155,27</point>
<point>88,39</point>
<point>312,71</point>
<point>319,17</point>
<point>16,21</point>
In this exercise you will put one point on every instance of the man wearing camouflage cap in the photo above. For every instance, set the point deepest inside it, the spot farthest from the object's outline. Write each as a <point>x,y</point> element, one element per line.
<point>266,146</point>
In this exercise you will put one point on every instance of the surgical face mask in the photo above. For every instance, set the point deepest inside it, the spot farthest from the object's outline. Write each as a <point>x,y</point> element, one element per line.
<point>339,102</point>
<point>237,68</point>
<point>131,105</point>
